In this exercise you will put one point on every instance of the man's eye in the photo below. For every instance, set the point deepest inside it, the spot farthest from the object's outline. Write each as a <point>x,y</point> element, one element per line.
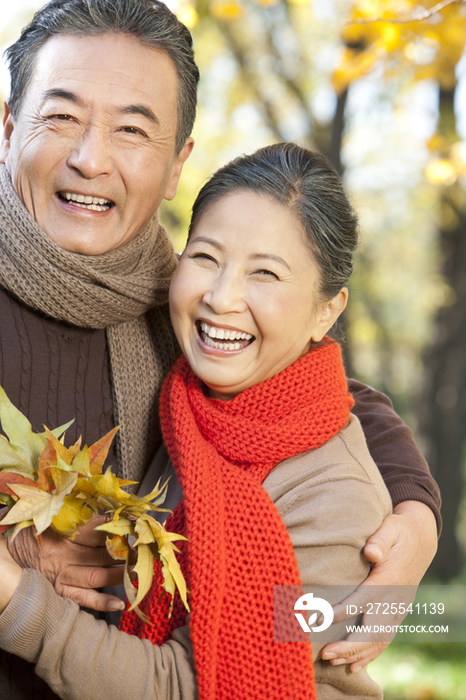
<point>133,130</point>
<point>61,117</point>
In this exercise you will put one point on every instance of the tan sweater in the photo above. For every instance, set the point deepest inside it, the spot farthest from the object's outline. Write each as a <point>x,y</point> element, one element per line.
<point>330,499</point>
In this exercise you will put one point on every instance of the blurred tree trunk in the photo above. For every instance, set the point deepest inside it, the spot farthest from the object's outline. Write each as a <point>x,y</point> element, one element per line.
<point>331,147</point>
<point>443,409</point>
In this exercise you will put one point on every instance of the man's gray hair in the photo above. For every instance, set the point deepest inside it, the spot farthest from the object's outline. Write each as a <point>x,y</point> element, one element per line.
<point>150,21</point>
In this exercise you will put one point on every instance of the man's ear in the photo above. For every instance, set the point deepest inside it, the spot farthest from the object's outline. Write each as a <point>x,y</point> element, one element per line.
<point>329,313</point>
<point>8,127</point>
<point>181,158</point>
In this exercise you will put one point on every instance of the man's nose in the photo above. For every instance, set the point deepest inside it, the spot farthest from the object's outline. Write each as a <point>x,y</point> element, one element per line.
<point>90,154</point>
<point>226,294</point>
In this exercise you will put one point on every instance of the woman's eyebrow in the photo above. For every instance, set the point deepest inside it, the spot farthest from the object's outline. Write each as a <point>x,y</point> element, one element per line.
<point>270,256</point>
<point>210,241</point>
<point>254,256</point>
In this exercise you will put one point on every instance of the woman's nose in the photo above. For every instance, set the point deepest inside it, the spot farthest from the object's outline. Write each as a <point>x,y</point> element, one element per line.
<point>90,155</point>
<point>226,294</point>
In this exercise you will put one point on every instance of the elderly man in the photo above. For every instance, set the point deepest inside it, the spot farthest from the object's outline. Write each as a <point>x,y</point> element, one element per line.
<point>96,132</point>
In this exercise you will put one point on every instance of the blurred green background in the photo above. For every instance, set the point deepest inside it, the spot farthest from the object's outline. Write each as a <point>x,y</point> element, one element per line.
<point>379,86</point>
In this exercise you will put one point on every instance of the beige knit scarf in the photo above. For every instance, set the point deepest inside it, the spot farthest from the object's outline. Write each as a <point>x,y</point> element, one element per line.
<point>124,291</point>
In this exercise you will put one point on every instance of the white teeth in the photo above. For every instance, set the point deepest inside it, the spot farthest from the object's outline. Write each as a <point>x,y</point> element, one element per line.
<point>224,333</point>
<point>221,346</point>
<point>87,201</point>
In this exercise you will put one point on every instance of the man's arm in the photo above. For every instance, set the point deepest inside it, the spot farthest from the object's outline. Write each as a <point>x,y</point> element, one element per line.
<point>404,546</point>
<point>393,449</point>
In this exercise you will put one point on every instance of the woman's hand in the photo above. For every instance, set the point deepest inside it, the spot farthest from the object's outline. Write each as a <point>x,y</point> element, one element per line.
<point>401,551</point>
<point>76,568</point>
<point>10,575</point>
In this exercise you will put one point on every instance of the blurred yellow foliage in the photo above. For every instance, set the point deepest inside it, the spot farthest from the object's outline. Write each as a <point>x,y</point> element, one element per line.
<point>431,47</point>
<point>441,172</point>
<point>188,16</point>
<point>226,9</point>
<point>447,169</point>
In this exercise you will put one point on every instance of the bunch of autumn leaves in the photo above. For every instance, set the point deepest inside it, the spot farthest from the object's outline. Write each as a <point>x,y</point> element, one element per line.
<point>44,484</point>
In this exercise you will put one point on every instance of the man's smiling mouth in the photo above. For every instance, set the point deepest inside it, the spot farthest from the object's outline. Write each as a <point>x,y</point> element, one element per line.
<point>223,338</point>
<point>86,201</point>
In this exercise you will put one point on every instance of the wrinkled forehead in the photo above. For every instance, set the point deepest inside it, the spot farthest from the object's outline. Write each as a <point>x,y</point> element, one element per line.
<point>104,65</point>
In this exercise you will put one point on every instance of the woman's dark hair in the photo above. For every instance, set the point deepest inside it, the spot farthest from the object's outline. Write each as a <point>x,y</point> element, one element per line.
<point>149,21</point>
<point>306,183</point>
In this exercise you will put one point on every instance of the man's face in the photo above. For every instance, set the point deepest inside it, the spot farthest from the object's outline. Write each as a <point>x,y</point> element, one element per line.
<point>92,150</point>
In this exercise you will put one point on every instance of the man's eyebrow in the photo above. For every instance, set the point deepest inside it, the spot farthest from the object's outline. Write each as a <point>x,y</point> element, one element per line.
<point>140,109</point>
<point>62,94</point>
<point>129,109</point>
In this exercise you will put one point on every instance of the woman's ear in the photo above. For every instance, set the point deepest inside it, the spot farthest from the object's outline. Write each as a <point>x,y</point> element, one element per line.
<point>328,314</point>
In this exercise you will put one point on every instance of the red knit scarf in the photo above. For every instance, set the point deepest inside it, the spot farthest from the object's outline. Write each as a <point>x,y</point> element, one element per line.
<point>238,545</point>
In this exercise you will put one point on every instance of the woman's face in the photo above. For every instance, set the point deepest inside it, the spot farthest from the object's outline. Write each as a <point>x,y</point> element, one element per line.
<point>244,299</point>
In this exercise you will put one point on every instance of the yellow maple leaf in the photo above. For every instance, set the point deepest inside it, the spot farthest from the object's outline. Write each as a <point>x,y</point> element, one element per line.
<point>118,547</point>
<point>37,505</point>
<point>73,513</point>
<point>48,484</point>
<point>172,573</point>
<point>120,527</point>
<point>144,569</point>
<point>99,450</point>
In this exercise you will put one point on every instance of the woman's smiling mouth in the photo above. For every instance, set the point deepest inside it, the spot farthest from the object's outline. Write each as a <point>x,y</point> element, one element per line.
<point>225,339</point>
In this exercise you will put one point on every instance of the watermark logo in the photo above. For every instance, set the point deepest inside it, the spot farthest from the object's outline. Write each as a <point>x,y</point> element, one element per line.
<point>375,613</point>
<point>307,602</point>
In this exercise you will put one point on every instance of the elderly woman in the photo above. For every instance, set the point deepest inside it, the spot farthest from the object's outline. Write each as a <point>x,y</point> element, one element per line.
<point>275,482</point>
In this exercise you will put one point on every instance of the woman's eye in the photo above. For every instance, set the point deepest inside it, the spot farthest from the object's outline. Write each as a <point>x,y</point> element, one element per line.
<point>267,273</point>
<point>202,256</point>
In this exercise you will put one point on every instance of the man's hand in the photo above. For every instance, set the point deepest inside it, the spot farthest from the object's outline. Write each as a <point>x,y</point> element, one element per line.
<point>401,551</point>
<point>10,575</point>
<point>74,568</point>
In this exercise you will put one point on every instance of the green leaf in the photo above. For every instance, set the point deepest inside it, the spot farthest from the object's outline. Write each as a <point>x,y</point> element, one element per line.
<point>11,458</point>
<point>23,441</point>
<point>6,500</point>
<point>81,462</point>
